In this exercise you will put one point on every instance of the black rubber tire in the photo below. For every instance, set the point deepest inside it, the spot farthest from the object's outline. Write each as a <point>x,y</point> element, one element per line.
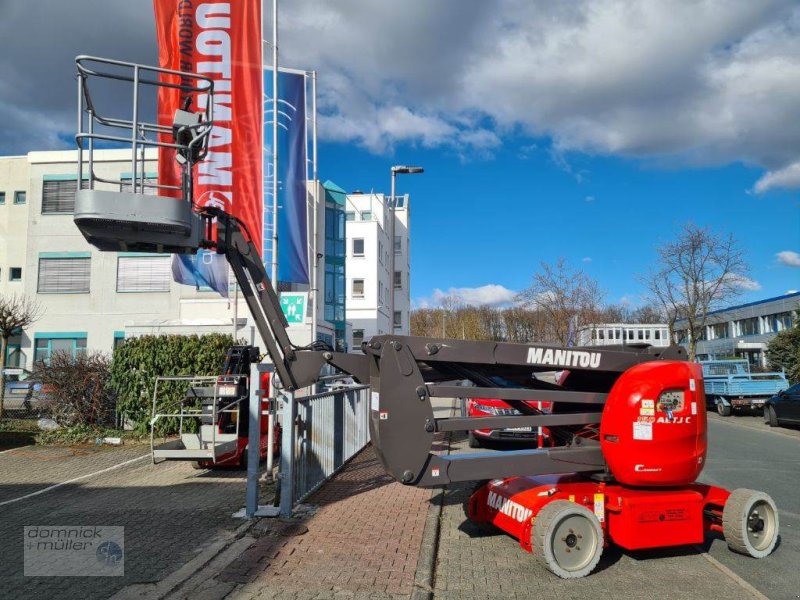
<point>197,466</point>
<point>771,416</point>
<point>545,528</point>
<point>473,440</point>
<point>736,524</point>
<point>724,410</point>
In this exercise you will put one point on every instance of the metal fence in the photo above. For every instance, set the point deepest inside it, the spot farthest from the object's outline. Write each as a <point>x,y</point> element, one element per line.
<point>331,428</point>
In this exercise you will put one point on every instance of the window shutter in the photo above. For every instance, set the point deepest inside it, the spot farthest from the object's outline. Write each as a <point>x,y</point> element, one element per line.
<point>144,273</point>
<point>59,196</point>
<point>64,275</point>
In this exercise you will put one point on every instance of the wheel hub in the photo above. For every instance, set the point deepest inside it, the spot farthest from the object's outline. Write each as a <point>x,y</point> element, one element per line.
<point>574,543</point>
<point>760,525</point>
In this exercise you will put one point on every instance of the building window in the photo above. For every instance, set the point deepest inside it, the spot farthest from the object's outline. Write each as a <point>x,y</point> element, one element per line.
<point>144,273</point>
<point>358,288</point>
<point>719,331</point>
<point>398,318</point>
<point>380,251</point>
<point>358,337</point>
<point>350,216</point>
<point>2,197</point>
<point>46,344</point>
<point>601,334</point>
<point>780,321</point>
<point>398,244</point>
<point>358,247</point>
<point>58,196</point>
<point>398,280</point>
<point>748,326</point>
<point>64,275</point>
<point>119,337</point>
<point>657,334</point>
<point>381,299</point>
<point>19,197</point>
<point>15,274</point>
<point>366,215</point>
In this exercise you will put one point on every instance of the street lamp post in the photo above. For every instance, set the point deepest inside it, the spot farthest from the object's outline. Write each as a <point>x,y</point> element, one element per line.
<point>396,170</point>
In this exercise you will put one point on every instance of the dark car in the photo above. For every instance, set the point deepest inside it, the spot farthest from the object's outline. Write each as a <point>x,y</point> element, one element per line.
<point>783,407</point>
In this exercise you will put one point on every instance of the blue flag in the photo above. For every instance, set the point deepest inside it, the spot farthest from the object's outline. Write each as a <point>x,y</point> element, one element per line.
<point>206,269</point>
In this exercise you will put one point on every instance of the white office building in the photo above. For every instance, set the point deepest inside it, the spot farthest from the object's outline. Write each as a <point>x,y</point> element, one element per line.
<point>617,334</point>
<point>92,299</point>
<point>369,278</point>
<point>743,331</point>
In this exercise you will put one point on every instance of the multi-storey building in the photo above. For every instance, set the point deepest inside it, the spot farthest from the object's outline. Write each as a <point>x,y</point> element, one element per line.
<point>743,331</point>
<point>92,299</point>
<point>369,280</point>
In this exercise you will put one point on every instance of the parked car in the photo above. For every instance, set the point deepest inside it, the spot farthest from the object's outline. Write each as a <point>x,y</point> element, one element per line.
<point>21,392</point>
<point>783,407</point>
<point>493,407</point>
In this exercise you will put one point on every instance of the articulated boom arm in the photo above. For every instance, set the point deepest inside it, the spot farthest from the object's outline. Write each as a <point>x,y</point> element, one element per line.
<point>296,367</point>
<point>405,373</point>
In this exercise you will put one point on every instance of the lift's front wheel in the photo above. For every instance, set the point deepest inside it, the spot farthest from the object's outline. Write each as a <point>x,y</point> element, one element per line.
<point>750,523</point>
<point>567,539</point>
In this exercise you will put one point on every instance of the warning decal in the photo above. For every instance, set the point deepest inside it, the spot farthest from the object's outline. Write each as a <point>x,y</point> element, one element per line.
<point>642,431</point>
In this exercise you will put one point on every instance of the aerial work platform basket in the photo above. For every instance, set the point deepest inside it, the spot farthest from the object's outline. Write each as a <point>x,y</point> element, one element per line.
<point>207,417</point>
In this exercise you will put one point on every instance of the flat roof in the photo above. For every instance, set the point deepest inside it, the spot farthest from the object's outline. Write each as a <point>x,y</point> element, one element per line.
<point>756,303</point>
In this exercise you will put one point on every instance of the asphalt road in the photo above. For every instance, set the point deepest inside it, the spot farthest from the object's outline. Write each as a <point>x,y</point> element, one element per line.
<point>744,452</point>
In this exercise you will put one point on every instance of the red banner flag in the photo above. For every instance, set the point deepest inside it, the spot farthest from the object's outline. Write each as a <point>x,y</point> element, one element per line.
<point>221,40</point>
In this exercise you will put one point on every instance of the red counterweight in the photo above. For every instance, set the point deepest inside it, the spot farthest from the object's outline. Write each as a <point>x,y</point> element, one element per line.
<point>653,429</point>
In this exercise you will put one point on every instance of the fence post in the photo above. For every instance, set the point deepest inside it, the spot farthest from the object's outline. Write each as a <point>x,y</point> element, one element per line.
<point>253,443</point>
<point>287,454</point>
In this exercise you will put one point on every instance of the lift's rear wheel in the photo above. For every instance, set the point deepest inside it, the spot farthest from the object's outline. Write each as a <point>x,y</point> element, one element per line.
<point>567,539</point>
<point>750,523</point>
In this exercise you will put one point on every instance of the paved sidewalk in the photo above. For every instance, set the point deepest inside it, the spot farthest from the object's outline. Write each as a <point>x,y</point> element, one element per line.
<point>362,541</point>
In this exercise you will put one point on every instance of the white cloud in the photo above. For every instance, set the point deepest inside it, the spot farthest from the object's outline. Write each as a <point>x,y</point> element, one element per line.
<point>786,178</point>
<point>707,81</point>
<point>586,259</point>
<point>789,258</point>
<point>589,199</point>
<point>790,292</point>
<point>486,295</point>
<point>745,283</point>
<point>704,81</point>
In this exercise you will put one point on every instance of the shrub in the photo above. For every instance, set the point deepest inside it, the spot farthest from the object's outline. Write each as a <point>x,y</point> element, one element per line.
<point>783,352</point>
<point>75,389</point>
<point>138,361</point>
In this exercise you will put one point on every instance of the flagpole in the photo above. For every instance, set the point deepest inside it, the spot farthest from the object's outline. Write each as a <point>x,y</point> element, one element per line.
<point>275,143</point>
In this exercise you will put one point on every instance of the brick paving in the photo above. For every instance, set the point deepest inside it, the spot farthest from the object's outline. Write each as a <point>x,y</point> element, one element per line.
<point>170,513</point>
<point>474,563</point>
<point>362,541</point>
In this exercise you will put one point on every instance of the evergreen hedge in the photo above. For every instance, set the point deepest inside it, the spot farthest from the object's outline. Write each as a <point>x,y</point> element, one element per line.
<point>138,361</point>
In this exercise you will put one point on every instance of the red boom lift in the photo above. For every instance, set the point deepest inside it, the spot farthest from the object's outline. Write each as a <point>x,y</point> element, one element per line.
<point>630,481</point>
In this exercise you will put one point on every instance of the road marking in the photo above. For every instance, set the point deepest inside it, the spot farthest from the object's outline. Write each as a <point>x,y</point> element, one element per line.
<point>733,575</point>
<point>58,485</point>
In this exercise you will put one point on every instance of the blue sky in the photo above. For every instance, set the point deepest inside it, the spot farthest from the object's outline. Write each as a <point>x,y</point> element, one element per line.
<point>491,220</point>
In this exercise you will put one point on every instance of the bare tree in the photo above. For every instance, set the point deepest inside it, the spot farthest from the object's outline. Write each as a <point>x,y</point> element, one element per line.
<point>16,313</point>
<point>565,297</point>
<point>697,272</point>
